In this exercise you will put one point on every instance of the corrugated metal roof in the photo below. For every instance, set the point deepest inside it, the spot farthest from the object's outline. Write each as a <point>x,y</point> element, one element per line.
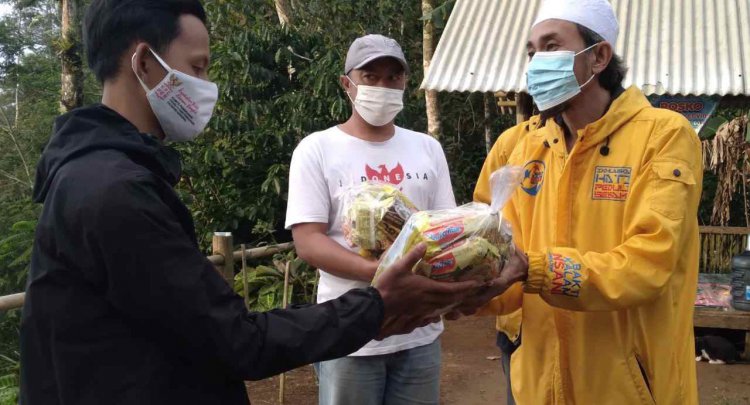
<point>670,46</point>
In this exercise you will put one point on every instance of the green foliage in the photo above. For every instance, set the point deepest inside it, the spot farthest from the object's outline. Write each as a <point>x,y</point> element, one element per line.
<point>16,237</point>
<point>463,139</point>
<point>265,283</point>
<point>10,368</point>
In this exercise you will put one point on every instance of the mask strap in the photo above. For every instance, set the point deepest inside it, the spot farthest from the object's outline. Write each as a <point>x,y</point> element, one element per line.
<point>592,76</point>
<point>355,85</point>
<point>158,59</point>
<point>588,81</point>
<point>132,66</point>
<point>588,48</point>
<point>164,64</point>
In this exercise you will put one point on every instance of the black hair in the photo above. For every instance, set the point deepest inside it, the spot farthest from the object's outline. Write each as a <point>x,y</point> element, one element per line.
<point>111,26</point>
<point>612,76</point>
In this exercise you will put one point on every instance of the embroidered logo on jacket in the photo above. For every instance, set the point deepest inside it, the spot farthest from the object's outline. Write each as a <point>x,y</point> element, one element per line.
<point>611,183</point>
<point>533,177</point>
<point>566,275</point>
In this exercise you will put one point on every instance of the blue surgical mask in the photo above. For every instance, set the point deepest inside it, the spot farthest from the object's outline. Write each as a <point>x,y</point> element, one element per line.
<point>551,80</point>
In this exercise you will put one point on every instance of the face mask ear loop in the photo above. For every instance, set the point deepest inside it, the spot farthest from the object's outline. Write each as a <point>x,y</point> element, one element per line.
<point>354,84</point>
<point>161,61</point>
<point>588,81</point>
<point>593,75</point>
<point>588,48</point>
<point>132,66</point>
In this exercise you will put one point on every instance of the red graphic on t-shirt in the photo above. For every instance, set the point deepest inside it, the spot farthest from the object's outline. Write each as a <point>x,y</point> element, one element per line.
<point>395,176</point>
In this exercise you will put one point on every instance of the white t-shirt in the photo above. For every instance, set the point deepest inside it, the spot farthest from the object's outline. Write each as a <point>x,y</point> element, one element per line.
<point>325,163</point>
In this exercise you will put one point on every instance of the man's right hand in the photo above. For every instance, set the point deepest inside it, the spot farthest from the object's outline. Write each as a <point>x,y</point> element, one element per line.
<point>411,300</point>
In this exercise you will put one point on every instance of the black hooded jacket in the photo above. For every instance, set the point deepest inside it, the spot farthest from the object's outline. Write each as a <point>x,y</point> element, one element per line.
<point>122,307</point>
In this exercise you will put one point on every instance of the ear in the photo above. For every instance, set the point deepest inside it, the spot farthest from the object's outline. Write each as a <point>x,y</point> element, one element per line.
<point>140,61</point>
<point>349,88</point>
<point>602,56</point>
<point>345,83</point>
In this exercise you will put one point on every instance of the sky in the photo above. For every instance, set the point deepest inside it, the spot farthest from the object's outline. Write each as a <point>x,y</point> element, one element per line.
<point>5,9</point>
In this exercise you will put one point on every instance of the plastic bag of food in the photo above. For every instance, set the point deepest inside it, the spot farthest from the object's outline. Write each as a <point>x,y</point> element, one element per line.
<point>471,242</point>
<point>374,214</point>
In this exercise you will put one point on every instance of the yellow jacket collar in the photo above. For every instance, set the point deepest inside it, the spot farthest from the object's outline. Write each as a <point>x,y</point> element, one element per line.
<point>623,109</point>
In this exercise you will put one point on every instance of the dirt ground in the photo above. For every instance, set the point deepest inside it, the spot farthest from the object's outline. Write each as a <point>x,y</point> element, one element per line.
<point>470,378</point>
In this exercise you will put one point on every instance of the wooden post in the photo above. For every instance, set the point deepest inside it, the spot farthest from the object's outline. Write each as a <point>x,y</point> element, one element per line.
<point>284,303</point>
<point>489,99</point>
<point>432,105</point>
<point>222,245</point>
<point>245,287</point>
<point>72,77</point>
<point>13,301</point>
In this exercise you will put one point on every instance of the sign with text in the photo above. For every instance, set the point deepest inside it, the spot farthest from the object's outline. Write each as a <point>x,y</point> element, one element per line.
<point>696,109</point>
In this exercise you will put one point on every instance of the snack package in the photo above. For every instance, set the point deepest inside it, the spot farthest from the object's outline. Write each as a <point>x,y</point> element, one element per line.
<point>374,214</point>
<point>471,242</point>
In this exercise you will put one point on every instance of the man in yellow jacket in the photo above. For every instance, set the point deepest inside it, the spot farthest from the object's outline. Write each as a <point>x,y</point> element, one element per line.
<point>508,326</point>
<point>607,214</point>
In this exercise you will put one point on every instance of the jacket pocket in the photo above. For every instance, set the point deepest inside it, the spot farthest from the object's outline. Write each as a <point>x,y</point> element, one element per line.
<point>640,379</point>
<point>669,188</point>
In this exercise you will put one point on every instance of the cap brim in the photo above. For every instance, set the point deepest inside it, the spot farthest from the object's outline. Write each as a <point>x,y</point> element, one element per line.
<point>376,57</point>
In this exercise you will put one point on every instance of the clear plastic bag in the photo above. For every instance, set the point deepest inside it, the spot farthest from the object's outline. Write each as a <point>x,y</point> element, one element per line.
<point>471,242</point>
<point>374,214</point>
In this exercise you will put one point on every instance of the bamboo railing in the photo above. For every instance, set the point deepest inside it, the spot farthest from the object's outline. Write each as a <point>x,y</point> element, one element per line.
<point>222,249</point>
<point>719,245</point>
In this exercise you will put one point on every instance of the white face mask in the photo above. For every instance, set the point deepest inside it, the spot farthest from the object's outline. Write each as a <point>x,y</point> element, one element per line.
<point>183,104</point>
<point>377,105</point>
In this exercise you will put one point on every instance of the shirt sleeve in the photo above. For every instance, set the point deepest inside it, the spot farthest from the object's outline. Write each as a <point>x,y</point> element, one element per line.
<point>443,197</point>
<point>309,198</point>
<point>160,282</point>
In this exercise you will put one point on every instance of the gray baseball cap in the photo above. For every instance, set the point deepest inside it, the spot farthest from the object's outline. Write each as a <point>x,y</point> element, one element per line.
<point>370,47</point>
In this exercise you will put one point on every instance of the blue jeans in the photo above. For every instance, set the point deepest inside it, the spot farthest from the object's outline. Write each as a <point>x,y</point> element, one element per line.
<point>507,348</point>
<point>406,377</point>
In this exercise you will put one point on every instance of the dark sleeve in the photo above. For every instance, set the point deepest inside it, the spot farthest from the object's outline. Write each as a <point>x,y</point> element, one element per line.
<point>161,283</point>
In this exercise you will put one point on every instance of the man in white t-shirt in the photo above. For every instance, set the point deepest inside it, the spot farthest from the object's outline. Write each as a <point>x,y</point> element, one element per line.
<point>402,369</point>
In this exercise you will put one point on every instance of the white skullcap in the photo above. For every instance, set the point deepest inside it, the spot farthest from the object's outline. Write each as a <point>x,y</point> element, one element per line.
<point>596,15</point>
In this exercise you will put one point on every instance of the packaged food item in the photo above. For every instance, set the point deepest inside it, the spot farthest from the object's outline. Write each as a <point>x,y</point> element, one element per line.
<point>374,214</point>
<point>471,242</point>
<point>471,258</point>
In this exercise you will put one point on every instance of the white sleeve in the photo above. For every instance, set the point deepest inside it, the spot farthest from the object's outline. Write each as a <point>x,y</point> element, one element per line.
<point>309,199</point>
<point>443,197</point>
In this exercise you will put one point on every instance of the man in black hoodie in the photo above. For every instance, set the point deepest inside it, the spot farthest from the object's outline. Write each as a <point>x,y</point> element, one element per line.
<point>121,306</point>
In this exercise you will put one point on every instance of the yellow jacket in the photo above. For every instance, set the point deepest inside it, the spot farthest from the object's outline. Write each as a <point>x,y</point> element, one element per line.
<point>498,157</point>
<point>613,260</point>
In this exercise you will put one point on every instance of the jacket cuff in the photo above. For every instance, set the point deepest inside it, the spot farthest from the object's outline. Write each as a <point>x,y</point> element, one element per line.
<point>375,294</point>
<point>537,273</point>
